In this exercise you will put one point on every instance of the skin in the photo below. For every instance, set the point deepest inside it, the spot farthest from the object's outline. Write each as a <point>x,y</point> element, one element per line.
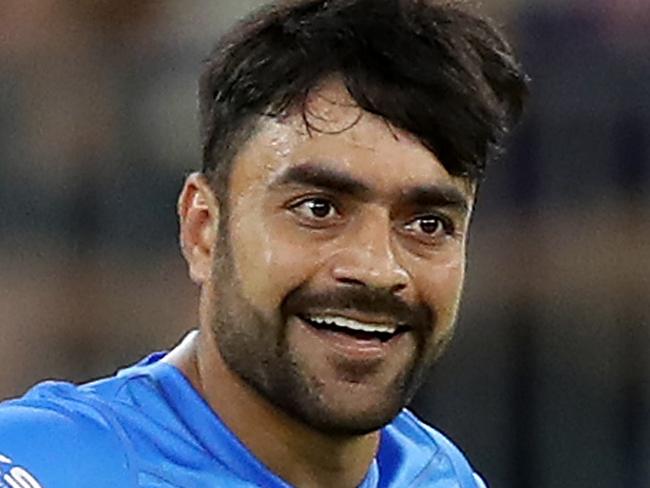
<point>284,235</point>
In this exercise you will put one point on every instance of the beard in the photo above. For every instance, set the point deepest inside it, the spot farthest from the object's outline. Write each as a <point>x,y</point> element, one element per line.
<point>255,346</point>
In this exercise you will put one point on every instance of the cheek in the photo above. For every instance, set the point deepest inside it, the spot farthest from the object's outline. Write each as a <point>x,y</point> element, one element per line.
<point>269,263</point>
<point>442,287</point>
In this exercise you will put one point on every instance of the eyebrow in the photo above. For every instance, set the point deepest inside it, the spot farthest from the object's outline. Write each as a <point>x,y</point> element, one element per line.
<point>311,174</point>
<point>436,196</point>
<point>317,175</point>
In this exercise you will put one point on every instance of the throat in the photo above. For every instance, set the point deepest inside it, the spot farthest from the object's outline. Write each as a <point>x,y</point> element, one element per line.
<point>346,464</point>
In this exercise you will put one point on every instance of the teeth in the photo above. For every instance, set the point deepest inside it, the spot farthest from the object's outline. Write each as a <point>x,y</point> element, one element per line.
<point>346,323</point>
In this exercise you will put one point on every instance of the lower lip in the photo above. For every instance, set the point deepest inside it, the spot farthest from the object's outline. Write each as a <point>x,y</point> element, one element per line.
<point>349,346</point>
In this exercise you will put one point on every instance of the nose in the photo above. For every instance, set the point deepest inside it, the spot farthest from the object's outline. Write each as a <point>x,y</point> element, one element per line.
<point>368,259</point>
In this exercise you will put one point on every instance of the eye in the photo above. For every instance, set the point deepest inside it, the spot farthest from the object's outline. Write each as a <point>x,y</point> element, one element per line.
<point>317,208</point>
<point>429,227</point>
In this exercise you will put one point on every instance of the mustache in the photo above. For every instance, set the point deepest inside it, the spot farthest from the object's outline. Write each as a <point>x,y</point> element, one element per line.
<point>365,300</point>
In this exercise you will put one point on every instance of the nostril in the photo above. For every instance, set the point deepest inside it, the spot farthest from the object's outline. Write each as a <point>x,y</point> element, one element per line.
<point>378,275</point>
<point>351,281</point>
<point>398,288</point>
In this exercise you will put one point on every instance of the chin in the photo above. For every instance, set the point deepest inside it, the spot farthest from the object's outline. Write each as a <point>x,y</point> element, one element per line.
<point>348,420</point>
<point>340,426</point>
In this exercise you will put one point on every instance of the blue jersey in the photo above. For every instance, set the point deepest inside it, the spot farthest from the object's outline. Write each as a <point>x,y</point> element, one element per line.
<point>148,427</point>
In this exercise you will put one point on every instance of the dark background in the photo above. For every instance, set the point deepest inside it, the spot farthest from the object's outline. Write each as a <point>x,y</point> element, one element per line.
<point>548,381</point>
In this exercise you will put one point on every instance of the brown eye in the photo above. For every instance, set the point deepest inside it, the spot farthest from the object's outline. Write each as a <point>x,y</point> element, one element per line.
<point>320,208</point>
<point>316,208</point>
<point>430,227</point>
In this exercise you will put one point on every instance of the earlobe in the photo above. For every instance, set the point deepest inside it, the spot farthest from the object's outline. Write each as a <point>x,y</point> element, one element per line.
<point>198,212</point>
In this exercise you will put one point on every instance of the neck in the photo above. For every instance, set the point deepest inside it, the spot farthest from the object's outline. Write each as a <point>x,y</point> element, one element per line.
<point>288,447</point>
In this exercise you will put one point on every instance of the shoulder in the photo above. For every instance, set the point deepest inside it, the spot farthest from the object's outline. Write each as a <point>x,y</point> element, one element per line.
<point>55,437</point>
<point>417,452</point>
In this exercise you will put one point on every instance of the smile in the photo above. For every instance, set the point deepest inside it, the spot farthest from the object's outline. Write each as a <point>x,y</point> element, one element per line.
<point>356,328</point>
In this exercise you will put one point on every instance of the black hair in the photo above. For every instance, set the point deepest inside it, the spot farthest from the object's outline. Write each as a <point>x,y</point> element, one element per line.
<point>437,70</point>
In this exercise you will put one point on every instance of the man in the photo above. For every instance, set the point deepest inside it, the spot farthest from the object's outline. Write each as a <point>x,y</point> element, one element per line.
<point>344,142</point>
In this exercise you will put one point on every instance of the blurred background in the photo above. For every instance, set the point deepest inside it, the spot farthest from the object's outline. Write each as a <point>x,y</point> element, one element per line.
<point>548,381</point>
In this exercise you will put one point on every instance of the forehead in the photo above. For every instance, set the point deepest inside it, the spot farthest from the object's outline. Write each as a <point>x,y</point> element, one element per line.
<point>337,134</point>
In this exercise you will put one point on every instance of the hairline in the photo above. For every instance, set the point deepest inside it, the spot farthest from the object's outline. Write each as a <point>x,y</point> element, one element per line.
<point>218,175</point>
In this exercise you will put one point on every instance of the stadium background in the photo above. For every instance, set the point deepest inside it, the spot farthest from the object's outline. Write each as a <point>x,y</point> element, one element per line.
<point>548,381</point>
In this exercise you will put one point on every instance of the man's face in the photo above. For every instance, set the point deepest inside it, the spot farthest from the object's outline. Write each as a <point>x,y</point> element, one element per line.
<point>339,265</point>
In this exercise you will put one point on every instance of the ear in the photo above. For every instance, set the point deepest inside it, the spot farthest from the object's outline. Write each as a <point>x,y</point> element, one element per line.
<point>198,213</point>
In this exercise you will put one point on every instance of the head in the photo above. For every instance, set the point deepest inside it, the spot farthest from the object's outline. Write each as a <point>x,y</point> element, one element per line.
<point>343,144</point>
